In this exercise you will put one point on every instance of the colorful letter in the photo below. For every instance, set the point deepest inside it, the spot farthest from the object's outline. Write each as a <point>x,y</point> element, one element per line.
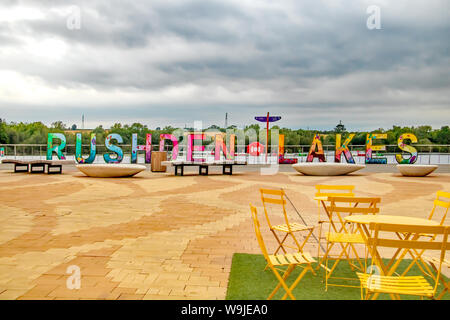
<point>312,151</point>
<point>281,144</point>
<point>79,152</point>
<point>404,147</point>
<point>369,148</point>
<point>343,149</point>
<point>56,148</point>
<point>113,148</point>
<point>191,147</point>
<point>171,137</point>
<point>220,144</point>
<point>147,148</point>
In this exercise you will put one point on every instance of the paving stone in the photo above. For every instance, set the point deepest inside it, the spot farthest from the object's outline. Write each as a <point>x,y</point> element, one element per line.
<point>156,238</point>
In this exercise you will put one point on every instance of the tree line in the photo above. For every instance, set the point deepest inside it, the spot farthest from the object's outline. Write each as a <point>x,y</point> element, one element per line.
<point>36,133</point>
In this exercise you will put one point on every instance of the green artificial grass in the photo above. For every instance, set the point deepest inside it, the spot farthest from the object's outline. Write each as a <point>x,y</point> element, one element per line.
<point>249,281</point>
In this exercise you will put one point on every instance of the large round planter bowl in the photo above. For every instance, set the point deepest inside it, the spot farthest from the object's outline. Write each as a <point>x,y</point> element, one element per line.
<point>110,170</point>
<point>416,170</point>
<point>326,168</point>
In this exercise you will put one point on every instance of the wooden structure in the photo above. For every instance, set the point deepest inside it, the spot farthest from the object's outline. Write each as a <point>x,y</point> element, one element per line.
<point>157,158</point>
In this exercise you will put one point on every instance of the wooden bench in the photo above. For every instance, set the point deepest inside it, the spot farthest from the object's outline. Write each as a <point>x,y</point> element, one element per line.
<point>18,165</point>
<point>203,167</point>
<point>38,166</point>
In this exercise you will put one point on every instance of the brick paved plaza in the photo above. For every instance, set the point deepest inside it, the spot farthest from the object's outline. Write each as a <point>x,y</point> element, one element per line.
<point>156,236</point>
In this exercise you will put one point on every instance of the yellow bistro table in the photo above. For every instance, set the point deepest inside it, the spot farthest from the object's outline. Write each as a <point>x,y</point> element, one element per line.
<point>363,222</point>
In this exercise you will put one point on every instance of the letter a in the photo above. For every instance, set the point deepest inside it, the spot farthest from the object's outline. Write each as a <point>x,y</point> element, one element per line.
<point>312,151</point>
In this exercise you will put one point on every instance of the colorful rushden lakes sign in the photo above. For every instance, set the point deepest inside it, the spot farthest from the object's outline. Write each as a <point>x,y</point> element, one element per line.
<point>113,140</point>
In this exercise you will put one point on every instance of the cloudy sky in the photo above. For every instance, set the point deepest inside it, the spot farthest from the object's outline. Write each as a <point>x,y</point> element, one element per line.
<point>173,62</point>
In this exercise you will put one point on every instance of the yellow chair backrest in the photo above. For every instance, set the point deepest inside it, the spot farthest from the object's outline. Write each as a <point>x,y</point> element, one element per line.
<point>358,205</point>
<point>442,200</point>
<point>258,233</point>
<point>334,190</point>
<point>389,239</point>
<point>273,197</point>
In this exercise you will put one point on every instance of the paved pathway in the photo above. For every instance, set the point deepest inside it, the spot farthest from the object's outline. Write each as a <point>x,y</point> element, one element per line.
<point>155,236</point>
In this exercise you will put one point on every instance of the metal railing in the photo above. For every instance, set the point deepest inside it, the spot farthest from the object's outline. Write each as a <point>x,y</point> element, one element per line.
<point>436,154</point>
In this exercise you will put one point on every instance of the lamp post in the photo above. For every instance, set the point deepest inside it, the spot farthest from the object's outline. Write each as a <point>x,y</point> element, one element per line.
<point>267,119</point>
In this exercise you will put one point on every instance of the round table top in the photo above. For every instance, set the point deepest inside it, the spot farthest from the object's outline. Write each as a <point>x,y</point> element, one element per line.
<point>381,218</point>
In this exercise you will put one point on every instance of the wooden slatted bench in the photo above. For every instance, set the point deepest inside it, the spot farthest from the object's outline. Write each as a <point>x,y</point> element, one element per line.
<point>18,164</point>
<point>57,164</point>
<point>203,167</point>
<point>38,166</point>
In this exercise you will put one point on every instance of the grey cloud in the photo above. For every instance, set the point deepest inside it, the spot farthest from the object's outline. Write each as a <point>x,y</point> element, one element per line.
<point>306,55</point>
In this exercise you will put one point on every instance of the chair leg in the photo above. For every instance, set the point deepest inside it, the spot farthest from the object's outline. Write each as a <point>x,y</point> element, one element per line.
<point>326,265</point>
<point>299,246</point>
<point>283,284</point>
<point>285,275</point>
<point>299,278</point>
<point>318,245</point>
<point>442,280</point>
<point>446,289</point>
<point>306,240</point>
<point>416,260</point>
<point>330,272</point>
<point>280,243</point>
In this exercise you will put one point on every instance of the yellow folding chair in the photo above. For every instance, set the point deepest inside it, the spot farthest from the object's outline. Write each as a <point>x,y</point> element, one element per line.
<point>441,202</point>
<point>383,235</point>
<point>290,260</point>
<point>276,197</point>
<point>434,263</point>
<point>340,233</point>
<point>323,192</point>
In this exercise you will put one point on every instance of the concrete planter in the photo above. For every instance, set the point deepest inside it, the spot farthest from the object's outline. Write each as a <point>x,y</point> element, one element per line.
<point>326,169</point>
<point>110,170</point>
<point>416,170</point>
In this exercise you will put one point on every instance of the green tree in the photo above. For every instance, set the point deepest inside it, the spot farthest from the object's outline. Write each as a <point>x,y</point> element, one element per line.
<point>59,125</point>
<point>3,133</point>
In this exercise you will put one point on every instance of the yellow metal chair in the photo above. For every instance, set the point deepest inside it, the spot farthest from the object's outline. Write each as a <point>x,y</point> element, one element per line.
<point>341,233</point>
<point>290,260</point>
<point>434,263</point>
<point>276,197</point>
<point>401,285</point>
<point>441,202</point>
<point>323,192</point>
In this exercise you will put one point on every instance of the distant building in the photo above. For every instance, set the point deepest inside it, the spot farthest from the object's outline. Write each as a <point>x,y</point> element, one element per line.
<point>340,127</point>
